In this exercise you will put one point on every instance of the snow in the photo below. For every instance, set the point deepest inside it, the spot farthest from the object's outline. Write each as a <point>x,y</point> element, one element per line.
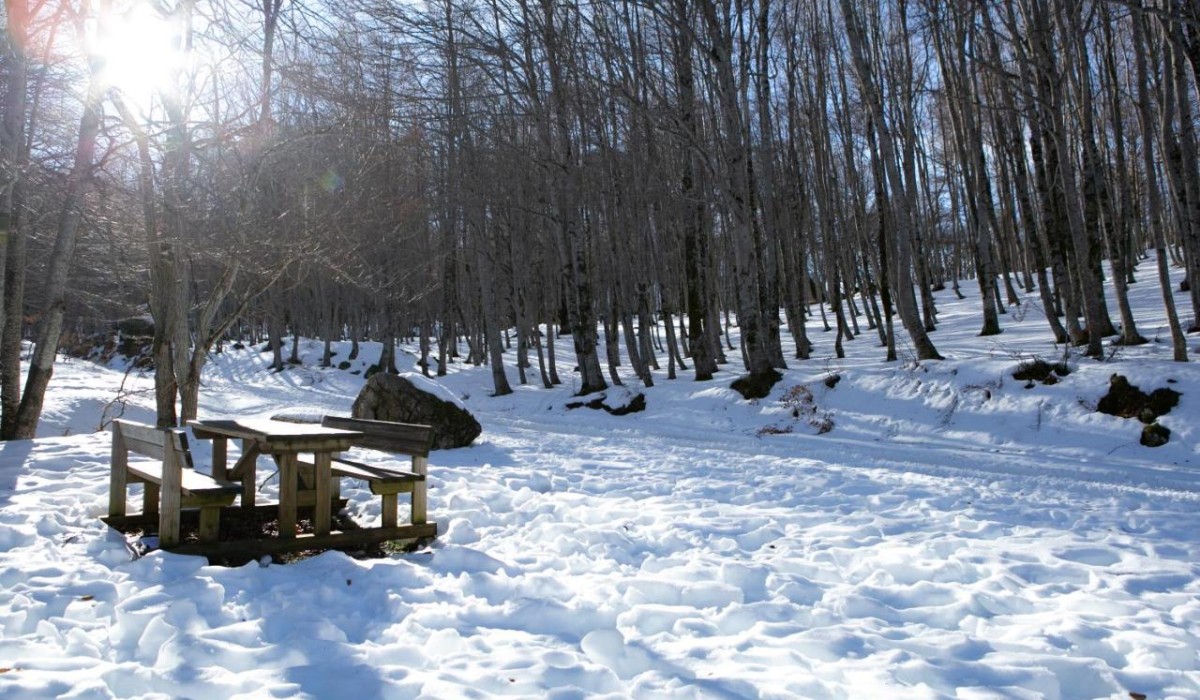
<point>955,535</point>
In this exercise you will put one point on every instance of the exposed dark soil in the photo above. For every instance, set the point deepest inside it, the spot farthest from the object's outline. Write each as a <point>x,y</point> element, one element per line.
<point>1128,401</point>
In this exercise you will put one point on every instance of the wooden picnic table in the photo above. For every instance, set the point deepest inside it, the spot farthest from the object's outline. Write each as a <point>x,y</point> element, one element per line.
<point>283,441</point>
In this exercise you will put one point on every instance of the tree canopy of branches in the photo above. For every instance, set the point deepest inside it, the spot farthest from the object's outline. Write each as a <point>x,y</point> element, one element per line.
<point>474,173</point>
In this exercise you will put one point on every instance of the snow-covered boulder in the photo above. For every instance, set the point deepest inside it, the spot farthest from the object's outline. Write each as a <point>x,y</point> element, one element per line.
<point>411,398</point>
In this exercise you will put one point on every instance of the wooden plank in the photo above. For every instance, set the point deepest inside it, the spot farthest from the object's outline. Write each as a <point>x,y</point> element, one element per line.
<point>245,470</point>
<point>267,431</point>
<point>381,480</point>
<point>118,476</point>
<point>312,443</point>
<point>190,517</point>
<point>146,471</point>
<point>150,498</point>
<point>307,499</point>
<point>154,450</point>
<point>248,460</point>
<point>252,549</point>
<point>321,514</point>
<point>382,488</point>
<point>287,495</point>
<point>211,429</point>
<point>387,436</point>
<point>192,482</point>
<point>143,439</point>
<point>210,524</point>
<point>179,440</point>
<point>171,494</point>
<point>220,458</point>
<point>370,472</point>
<point>420,497</point>
<point>390,513</point>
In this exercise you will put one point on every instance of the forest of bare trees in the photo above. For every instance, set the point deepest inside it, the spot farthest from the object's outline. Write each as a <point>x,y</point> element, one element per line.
<point>480,176</point>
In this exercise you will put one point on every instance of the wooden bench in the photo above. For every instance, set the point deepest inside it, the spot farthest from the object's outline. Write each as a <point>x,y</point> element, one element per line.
<point>388,482</point>
<point>171,481</point>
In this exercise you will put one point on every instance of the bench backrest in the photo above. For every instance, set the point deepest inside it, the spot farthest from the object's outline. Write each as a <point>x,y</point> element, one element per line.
<point>153,442</point>
<point>402,438</point>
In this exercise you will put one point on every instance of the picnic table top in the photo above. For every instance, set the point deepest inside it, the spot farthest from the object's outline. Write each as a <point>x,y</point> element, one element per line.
<point>278,434</point>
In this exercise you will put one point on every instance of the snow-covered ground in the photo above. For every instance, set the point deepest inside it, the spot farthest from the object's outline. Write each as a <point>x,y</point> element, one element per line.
<point>955,535</point>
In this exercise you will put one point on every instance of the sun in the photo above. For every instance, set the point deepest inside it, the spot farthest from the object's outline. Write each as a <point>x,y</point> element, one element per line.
<point>140,51</point>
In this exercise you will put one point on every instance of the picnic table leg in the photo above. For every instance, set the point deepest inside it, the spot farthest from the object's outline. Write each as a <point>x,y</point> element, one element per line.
<point>322,475</point>
<point>220,450</point>
<point>210,523</point>
<point>150,499</point>
<point>119,477</point>
<point>420,496</point>
<point>287,495</point>
<point>390,515</point>
<point>172,483</point>
<point>247,465</point>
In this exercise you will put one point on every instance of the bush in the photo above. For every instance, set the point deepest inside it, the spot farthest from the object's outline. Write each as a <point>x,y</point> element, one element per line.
<point>1038,370</point>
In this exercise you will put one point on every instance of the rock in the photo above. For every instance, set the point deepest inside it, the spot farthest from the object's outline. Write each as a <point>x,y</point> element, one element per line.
<point>636,405</point>
<point>620,405</point>
<point>756,386</point>
<point>1155,435</point>
<point>411,398</point>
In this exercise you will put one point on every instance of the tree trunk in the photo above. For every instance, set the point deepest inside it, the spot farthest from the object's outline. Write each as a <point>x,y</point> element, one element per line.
<point>1154,215</point>
<point>580,298</point>
<point>13,160</point>
<point>752,320</point>
<point>897,204</point>
<point>695,243</point>
<point>54,291</point>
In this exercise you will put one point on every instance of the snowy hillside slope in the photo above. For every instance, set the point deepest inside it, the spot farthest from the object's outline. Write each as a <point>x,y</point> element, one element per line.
<point>954,533</point>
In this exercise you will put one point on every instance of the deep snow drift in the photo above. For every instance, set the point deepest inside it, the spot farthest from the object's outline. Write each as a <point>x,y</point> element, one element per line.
<point>956,534</point>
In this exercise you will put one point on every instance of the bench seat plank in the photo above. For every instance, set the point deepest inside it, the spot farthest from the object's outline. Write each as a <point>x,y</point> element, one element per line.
<point>369,472</point>
<point>193,482</point>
